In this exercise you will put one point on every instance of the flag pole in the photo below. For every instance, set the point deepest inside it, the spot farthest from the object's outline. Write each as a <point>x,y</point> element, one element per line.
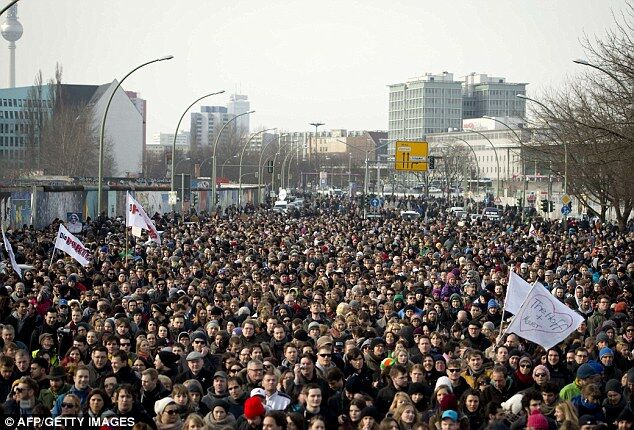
<point>52,256</point>
<point>125,256</point>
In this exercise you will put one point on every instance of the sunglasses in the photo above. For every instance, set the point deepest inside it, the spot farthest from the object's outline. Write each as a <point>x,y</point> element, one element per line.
<point>326,355</point>
<point>525,366</point>
<point>69,405</point>
<point>171,412</point>
<point>453,370</point>
<point>540,375</point>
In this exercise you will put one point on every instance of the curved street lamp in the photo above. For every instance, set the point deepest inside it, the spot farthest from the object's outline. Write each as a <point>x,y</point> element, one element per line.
<point>476,160</point>
<point>242,155</point>
<point>214,186</point>
<point>260,170</point>
<point>497,160</point>
<point>523,96</point>
<point>584,62</point>
<point>523,164</point>
<point>286,157</point>
<point>176,133</point>
<point>103,127</point>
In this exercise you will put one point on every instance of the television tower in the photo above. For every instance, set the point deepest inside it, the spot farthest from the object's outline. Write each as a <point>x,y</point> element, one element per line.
<point>12,31</point>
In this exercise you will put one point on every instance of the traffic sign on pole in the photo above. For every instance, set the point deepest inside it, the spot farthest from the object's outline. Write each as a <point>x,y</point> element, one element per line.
<point>565,209</point>
<point>374,202</point>
<point>411,156</point>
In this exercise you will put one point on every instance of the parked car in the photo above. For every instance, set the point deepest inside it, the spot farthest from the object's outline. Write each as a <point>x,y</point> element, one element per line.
<point>280,206</point>
<point>410,215</point>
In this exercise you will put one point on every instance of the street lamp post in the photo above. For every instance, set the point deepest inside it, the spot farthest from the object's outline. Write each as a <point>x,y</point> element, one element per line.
<point>213,159</point>
<point>176,133</point>
<point>273,172</point>
<point>240,169</point>
<point>607,72</point>
<point>316,125</point>
<point>497,160</point>
<point>260,170</point>
<point>288,166</point>
<point>519,140</point>
<point>476,160</point>
<point>103,128</point>
<point>286,157</point>
<point>522,96</point>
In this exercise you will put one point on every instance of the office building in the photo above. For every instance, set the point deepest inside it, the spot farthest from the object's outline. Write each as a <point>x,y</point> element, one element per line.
<point>123,132</point>
<point>239,104</point>
<point>491,96</point>
<point>206,124</point>
<point>423,105</point>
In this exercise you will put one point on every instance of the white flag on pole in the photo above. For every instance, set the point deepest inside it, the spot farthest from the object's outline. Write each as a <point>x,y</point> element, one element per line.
<point>543,319</point>
<point>136,217</point>
<point>14,264</point>
<point>516,292</point>
<point>72,246</point>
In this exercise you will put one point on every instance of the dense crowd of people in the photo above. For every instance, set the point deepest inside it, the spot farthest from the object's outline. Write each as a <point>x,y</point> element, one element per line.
<point>318,319</point>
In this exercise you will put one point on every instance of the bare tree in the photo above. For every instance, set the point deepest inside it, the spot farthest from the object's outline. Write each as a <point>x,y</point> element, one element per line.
<point>60,135</point>
<point>592,122</point>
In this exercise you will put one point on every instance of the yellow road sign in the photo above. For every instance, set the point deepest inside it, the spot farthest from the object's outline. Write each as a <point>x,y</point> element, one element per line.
<point>411,156</point>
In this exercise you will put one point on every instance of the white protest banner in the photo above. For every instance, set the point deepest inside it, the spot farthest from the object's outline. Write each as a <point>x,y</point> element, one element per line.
<point>516,292</point>
<point>543,319</point>
<point>136,217</point>
<point>7,246</point>
<point>72,246</point>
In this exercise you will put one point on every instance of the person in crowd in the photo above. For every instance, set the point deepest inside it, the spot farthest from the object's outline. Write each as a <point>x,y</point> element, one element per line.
<point>322,319</point>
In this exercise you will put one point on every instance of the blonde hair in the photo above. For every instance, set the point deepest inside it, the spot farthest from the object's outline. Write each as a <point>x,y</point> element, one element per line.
<point>569,412</point>
<point>398,397</point>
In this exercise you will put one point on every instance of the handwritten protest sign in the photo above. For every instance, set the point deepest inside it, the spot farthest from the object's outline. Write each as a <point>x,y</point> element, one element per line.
<point>543,319</point>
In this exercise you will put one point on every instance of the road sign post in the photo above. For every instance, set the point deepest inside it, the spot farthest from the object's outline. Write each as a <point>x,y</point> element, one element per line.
<point>411,156</point>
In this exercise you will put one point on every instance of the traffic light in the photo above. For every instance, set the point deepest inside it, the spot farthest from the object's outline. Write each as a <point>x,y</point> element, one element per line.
<point>519,202</point>
<point>432,163</point>
<point>544,205</point>
<point>367,200</point>
<point>270,166</point>
<point>551,206</point>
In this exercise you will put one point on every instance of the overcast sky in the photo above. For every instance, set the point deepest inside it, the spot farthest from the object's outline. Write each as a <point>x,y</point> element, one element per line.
<point>300,61</point>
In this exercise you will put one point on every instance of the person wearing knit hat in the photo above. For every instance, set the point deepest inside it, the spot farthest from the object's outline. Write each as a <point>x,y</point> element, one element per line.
<point>537,421</point>
<point>168,360</point>
<point>253,411</point>
<point>167,416</point>
<point>541,375</point>
<point>615,401</point>
<point>219,415</point>
<point>586,374</point>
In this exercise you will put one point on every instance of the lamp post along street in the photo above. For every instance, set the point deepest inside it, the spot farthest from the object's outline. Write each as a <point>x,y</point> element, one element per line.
<point>583,62</point>
<point>519,140</point>
<point>288,166</point>
<point>176,134</point>
<point>497,160</point>
<point>522,96</point>
<point>316,125</point>
<point>476,160</point>
<point>214,186</point>
<point>240,168</point>
<point>260,170</point>
<point>103,128</point>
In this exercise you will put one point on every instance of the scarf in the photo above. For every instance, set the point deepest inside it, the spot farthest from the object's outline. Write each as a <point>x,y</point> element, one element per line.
<point>174,426</point>
<point>524,379</point>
